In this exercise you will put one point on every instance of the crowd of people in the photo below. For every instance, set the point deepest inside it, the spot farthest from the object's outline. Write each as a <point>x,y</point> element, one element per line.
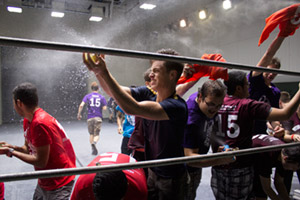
<point>241,112</point>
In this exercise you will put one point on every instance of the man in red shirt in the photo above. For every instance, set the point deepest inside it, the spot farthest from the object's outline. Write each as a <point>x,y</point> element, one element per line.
<point>46,144</point>
<point>128,184</point>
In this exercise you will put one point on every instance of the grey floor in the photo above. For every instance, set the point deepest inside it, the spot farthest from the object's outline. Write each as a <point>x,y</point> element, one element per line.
<point>110,141</point>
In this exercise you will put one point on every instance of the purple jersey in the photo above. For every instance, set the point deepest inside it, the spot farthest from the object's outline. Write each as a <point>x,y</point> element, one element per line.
<point>235,123</point>
<point>163,138</point>
<point>95,103</point>
<point>259,91</point>
<point>264,162</point>
<point>198,129</point>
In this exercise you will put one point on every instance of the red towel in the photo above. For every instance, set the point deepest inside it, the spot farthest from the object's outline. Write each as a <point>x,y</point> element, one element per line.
<point>288,20</point>
<point>203,70</point>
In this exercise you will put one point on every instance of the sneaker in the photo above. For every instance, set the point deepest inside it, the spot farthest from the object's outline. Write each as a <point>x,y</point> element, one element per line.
<point>94,150</point>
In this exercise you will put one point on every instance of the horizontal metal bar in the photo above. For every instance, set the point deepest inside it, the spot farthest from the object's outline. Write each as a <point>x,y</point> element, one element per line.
<point>9,41</point>
<point>143,164</point>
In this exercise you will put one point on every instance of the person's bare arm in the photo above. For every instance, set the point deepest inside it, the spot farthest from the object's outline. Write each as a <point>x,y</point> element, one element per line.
<point>146,109</point>
<point>269,54</point>
<point>79,116</point>
<point>181,89</point>
<point>206,163</point>
<point>266,185</point>
<point>120,122</point>
<point>280,187</point>
<point>40,159</point>
<point>286,112</point>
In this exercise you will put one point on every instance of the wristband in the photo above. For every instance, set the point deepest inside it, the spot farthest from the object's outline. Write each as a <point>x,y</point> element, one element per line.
<point>292,137</point>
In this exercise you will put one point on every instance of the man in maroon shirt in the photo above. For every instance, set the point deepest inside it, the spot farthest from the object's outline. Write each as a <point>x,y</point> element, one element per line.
<point>236,118</point>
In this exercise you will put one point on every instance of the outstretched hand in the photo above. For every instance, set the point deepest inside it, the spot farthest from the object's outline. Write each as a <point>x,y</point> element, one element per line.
<point>4,148</point>
<point>94,62</point>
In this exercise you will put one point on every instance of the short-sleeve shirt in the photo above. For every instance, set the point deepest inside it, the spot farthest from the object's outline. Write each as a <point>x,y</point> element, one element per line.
<point>259,91</point>
<point>236,118</point>
<point>264,162</point>
<point>164,138</point>
<point>95,103</point>
<point>199,127</point>
<point>45,130</point>
<point>137,186</point>
<point>128,124</point>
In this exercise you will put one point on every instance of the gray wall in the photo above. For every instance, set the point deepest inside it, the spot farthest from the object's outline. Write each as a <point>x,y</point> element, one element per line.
<point>63,80</point>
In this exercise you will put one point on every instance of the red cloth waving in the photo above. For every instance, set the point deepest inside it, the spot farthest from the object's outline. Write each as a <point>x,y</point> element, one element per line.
<point>216,72</point>
<point>288,20</point>
<point>204,70</point>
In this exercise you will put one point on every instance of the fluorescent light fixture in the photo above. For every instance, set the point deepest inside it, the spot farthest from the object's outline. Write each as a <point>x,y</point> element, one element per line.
<point>14,9</point>
<point>147,6</point>
<point>202,14</point>
<point>182,23</point>
<point>57,14</point>
<point>227,4</point>
<point>95,19</point>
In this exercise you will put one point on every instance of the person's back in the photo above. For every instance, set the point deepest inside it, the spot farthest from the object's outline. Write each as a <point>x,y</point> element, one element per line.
<point>136,187</point>
<point>50,132</point>
<point>95,104</point>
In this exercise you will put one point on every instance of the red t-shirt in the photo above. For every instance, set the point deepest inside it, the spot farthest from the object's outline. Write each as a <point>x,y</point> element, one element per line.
<point>137,186</point>
<point>45,130</point>
<point>1,191</point>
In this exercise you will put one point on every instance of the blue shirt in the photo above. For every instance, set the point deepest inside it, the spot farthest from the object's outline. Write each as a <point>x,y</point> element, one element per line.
<point>128,124</point>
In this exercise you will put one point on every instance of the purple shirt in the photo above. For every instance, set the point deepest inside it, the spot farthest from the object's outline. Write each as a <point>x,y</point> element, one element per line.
<point>264,162</point>
<point>95,103</point>
<point>164,138</point>
<point>235,126</point>
<point>199,127</point>
<point>259,91</point>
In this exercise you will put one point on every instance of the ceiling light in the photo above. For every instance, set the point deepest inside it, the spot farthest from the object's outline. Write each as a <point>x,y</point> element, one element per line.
<point>14,9</point>
<point>147,6</point>
<point>57,14</point>
<point>227,4</point>
<point>202,14</point>
<point>182,23</point>
<point>95,19</point>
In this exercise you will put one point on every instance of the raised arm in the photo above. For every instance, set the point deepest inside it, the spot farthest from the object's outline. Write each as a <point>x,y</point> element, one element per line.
<point>286,112</point>
<point>146,109</point>
<point>269,54</point>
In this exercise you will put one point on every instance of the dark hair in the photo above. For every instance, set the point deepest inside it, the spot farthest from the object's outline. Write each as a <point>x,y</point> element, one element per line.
<point>235,78</point>
<point>27,94</point>
<point>171,65</point>
<point>146,75</point>
<point>94,86</point>
<point>212,87</point>
<point>276,62</point>
<point>110,185</point>
<point>292,153</point>
<point>285,97</point>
